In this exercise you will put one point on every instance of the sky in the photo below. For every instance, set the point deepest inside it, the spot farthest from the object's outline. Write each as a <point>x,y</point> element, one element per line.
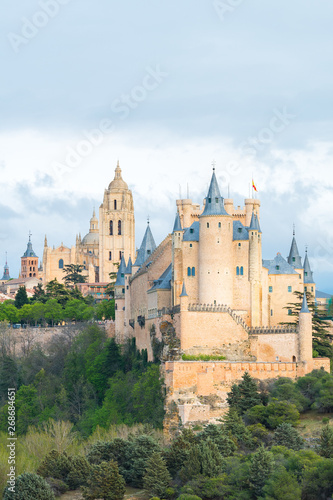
<point>166,88</point>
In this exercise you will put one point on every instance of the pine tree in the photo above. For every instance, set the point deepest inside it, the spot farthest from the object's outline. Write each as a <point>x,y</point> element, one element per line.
<point>244,395</point>
<point>286,435</point>
<point>157,477</point>
<point>29,487</point>
<point>21,297</point>
<point>325,448</point>
<point>261,467</point>
<point>105,482</point>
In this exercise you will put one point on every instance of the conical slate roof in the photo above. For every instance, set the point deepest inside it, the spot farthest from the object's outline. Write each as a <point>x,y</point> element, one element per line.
<point>6,272</point>
<point>128,269</point>
<point>308,276</point>
<point>177,225</point>
<point>29,251</point>
<point>147,247</point>
<point>214,202</point>
<point>254,226</point>
<point>305,308</point>
<point>121,273</point>
<point>294,258</point>
<point>183,294</point>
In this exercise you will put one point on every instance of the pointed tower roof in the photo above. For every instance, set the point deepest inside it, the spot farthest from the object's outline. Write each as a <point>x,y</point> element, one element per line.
<point>177,225</point>
<point>45,241</point>
<point>294,258</point>
<point>305,308</point>
<point>183,294</point>
<point>308,276</point>
<point>254,226</point>
<point>214,202</point>
<point>118,183</point>
<point>128,269</point>
<point>29,251</point>
<point>6,275</point>
<point>147,247</point>
<point>120,281</point>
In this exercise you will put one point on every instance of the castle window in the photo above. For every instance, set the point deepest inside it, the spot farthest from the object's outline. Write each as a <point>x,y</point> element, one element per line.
<point>193,271</point>
<point>84,262</point>
<point>305,288</point>
<point>119,227</point>
<point>305,273</point>
<point>294,359</point>
<point>123,290</point>
<point>312,289</point>
<point>148,252</point>
<point>242,271</point>
<point>290,289</point>
<point>271,312</point>
<point>191,230</point>
<point>116,307</point>
<point>30,275</point>
<point>111,227</point>
<point>294,259</point>
<point>122,275</point>
<point>239,244</point>
<point>120,254</point>
<point>216,200</point>
<point>219,224</point>
<point>188,271</point>
<point>270,289</point>
<point>289,312</point>
<point>61,264</point>
<point>191,245</point>
<point>110,255</point>
<point>240,230</point>
<point>207,224</point>
<point>237,271</point>
<point>209,200</point>
<point>115,204</point>
<point>277,267</point>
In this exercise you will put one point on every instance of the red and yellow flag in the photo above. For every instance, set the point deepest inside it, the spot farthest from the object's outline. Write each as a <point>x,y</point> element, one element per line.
<point>253,185</point>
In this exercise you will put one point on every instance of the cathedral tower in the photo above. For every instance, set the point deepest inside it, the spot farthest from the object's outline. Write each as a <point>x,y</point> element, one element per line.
<point>29,262</point>
<point>117,231</point>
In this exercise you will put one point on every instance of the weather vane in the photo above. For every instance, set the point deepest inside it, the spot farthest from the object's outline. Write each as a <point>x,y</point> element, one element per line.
<point>213,164</point>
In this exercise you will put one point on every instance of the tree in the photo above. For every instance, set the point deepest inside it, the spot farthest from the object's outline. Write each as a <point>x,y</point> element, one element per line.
<point>29,487</point>
<point>226,445</point>
<point>156,478</point>
<point>21,297</point>
<point>261,467</point>
<point>53,311</point>
<point>204,458</point>
<point>39,294</point>
<point>10,312</point>
<point>105,482</point>
<point>244,395</point>
<point>282,486</point>
<point>74,275</point>
<point>286,435</point>
<point>57,291</point>
<point>26,313</point>
<point>318,481</point>
<point>325,448</point>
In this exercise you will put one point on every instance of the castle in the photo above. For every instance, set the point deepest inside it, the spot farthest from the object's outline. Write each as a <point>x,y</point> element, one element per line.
<point>204,290</point>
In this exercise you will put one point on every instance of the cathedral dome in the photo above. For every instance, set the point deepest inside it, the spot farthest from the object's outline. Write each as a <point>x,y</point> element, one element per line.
<point>91,239</point>
<point>118,182</point>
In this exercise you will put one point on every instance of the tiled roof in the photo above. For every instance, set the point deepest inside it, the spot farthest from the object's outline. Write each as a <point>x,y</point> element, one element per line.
<point>214,202</point>
<point>192,233</point>
<point>294,258</point>
<point>239,231</point>
<point>278,266</point>
<point>164,281</point>
<point>148,245</point>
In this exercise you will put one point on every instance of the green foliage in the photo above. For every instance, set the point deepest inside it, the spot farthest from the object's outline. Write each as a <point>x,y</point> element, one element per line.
<point>138,453</point>
<point>261,467</point>
<point>325,448</point>
<point>29,487</point>
<point>186,496</point>
<point>234,425</point>
<point>105,482</point>
<point>56,465</point>
<point>282,486</point>
<point>105,310</point>
<point>286,435</point>
<point>274,414</point>
<point>21,297</point>
<point>244,395</point>
<point>209,488</point>
<point>285,389</point>
<point>156,478</point>
<point>225,444</point>
<point>74,275</point>
<point>179,450</point>
<point>202,357</point>
<point>318,481</point>
<point>204,458</point>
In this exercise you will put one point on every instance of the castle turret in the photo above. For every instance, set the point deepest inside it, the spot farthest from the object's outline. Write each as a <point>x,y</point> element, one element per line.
<point>305,334</point>
<point>147,247</point>
<point>177,259</point>
<point>119,294</point>
<point>309,284</point>
<point>215,250</point>
<point>294,258</point>
<point>128,274</point>
<point>255,269</point>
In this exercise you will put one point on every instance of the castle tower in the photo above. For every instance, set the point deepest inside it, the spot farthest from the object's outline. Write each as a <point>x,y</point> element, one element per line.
<point>309,284</point>
<point>177,259</point>
<point>119,294</point>
<point>6,275</point>
<point>255,268</point>
<point>128,274</point>
<point>147,247</point>
<point>305,334</point>
<point>29,262</point>
<point>294,258</point>
<point>215,250</point>
<point>117,230</point>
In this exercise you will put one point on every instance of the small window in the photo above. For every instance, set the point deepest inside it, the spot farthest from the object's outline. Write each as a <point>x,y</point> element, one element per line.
<point>290,289</point>
<point>115,204</point>
<point>277,268</point>
<point>294,259</point>
<point>111,227</point>
<point>237,271</point>
<point>270,289</point>
<point>120,254</point>
<point>216,200</point>
<point>193,271</point>
<point>271,312</point>
<point>191,245</point>
<point>289,312</point>
<point>240,230</point>
<point>242,271</point>
<point>110,255</point>
<point>305,273</point>
<point>188,271</point>
<point>219,224</point>
<point>119,227</point>
<point>61,264</point>
<point>123,290</point>
<point>209,200</point>
<point>148,252</point>
<point>312,289</point>
<point>122,275</point>
<point>207,224</point>
<point>191,230</point>
<point>239,244</point>
<point>306,288</point>
<point>294,359</point>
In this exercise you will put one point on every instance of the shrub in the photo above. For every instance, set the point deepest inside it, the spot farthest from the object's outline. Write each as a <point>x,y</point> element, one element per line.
<point>202,357</point>
<point>186,496</point>
<point>58,487</point>
<point>80,470</point>
<point>286,435</point>
<point>29,487</point>
<point>56,465</point>
<point>105,482</point>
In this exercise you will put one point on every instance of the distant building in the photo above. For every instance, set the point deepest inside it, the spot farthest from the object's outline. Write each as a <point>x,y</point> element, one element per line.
<point>6,275</point>
<point>29,262</point>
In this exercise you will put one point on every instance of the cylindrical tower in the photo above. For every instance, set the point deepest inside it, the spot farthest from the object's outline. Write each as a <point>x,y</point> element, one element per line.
<point>305,333</point>
<point>255,268</point>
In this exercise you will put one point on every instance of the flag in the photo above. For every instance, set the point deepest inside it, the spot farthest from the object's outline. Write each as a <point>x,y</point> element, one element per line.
<point>253,185</point>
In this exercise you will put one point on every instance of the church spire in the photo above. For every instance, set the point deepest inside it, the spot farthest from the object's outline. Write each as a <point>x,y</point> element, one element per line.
<point>6,275</point>
<point>29,251</point>
<point>214,202</point>
<point>294,258</point>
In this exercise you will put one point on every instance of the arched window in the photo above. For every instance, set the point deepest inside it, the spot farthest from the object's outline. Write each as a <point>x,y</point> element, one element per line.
<point>111,227</point>
<point>119,226</point>
<point>61,264</point>
<point>294,359</point>
<point>193,271</point>
<point>241,271</point>
<point>188,271</point>
<point>115,204</point>
<point>237,271</point>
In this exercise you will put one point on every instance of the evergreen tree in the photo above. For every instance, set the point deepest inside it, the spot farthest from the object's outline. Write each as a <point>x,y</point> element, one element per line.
<point>282,486</point>
<point>204,458</point>
<point>29,487</point>
<point>261,467</point>
<point>325,448</point>
<point>286,435</point>
<point>156,478</point>
<point>179,450</point>
<point>234,426</point>
<point>74,275</point>
<point>244,395</point>
<point>21,297</point>
<point>226,445</point>
<point>105,482</point>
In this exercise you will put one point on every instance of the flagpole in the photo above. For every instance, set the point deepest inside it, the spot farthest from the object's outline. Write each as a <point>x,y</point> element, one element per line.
<point>252,185</point>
